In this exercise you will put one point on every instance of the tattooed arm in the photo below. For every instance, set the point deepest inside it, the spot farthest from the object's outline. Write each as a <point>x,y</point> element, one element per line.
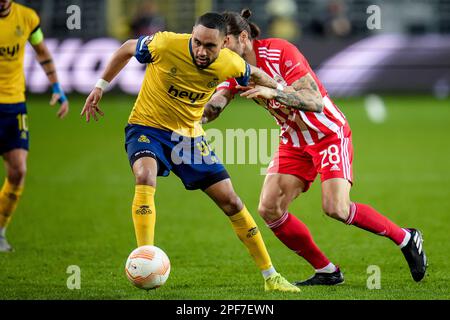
<point>216,105</point>
<point>261,78</point>
<point>303,94</point>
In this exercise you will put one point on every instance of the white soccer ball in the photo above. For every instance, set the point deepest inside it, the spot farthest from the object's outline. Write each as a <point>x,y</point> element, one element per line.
<point>147,267</point>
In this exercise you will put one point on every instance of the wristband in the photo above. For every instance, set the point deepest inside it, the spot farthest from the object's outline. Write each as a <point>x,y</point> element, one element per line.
<point>280,87</point>
<point>56,88</point>
<point>102,84</point>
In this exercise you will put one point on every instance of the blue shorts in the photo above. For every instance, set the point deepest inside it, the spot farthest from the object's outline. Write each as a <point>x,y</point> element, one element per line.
<point>191,159</point>
<point>13,127</point>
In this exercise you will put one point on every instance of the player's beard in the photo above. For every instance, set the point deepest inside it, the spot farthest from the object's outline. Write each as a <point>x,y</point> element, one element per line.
<point>204,64</point>
<point>4,10</point>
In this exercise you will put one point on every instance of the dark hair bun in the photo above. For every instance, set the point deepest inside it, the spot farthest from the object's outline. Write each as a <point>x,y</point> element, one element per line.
<point>246,13</point>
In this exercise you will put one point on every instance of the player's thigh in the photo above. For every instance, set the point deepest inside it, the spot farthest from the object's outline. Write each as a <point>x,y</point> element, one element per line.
<point>278,191</point>
<point>223,194</point>
<point>15,162</point>
<point>146,153</point>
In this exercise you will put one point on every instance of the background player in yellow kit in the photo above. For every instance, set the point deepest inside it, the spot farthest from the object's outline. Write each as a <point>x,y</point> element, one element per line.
<point>164,132</point>
<point>18,24</point>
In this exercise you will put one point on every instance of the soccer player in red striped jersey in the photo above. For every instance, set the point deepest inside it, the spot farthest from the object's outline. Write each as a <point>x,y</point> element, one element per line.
<point>315,139</point>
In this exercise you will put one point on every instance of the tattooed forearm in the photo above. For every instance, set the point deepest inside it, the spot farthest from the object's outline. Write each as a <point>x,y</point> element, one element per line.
<point>262,78</point>
<point>302,100</point>
<point>304,95</point>
<point>214,107</point>
<point>210,113</point>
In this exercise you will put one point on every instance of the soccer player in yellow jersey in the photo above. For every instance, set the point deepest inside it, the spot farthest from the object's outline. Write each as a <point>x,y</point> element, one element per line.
<point>164,132</point>
<point>18,24</point>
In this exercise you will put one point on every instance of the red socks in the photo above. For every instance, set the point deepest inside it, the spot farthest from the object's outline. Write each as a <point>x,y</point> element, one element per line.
<point>296,236</point>
<point>367,218</point>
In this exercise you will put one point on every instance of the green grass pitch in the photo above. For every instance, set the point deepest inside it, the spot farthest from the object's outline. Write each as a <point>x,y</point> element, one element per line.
<point>76,210</point>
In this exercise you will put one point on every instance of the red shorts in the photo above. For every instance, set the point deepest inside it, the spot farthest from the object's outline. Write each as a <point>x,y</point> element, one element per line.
<point>332,157</point>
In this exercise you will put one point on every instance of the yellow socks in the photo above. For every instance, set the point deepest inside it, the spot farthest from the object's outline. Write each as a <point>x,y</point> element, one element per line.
<point>144,214</point>
<point>9,197</point>
<point>248,232</point>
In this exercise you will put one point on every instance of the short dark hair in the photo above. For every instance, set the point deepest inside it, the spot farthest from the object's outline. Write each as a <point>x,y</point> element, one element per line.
<point>236,23</point>
<point>213,20</point>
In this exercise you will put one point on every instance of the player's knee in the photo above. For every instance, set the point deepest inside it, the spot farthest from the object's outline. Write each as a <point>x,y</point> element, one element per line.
<point>269,210</point>
<point>144,176</point>
<point>17,173</point>
<point>338,210</point>
<point>232,204</point>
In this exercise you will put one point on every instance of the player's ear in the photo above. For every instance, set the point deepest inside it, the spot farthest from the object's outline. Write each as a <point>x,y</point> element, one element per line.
<point>243,36</point>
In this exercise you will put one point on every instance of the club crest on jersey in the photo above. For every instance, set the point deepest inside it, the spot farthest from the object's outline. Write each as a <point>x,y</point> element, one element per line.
<point>144,139</point>
<point>173,71</point>
<point>213,83</point>
<point>19,31</point>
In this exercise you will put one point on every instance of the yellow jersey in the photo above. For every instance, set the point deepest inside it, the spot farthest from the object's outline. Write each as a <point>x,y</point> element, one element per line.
<point>15,31</point>
<point>174,89</point>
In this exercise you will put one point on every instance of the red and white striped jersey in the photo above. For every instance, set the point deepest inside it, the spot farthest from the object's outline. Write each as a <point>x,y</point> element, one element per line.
<point>284,63</point>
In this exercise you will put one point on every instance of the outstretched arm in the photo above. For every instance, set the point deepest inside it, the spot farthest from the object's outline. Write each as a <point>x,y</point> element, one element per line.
<point>216,105</point>
<point>303,94</point>
<point>45,59</point>
<point>262,78</point>
<point>117,62</point>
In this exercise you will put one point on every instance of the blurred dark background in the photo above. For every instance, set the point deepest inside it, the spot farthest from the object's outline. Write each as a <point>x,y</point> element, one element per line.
<point>293,19</point>
<point>409,51</point>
